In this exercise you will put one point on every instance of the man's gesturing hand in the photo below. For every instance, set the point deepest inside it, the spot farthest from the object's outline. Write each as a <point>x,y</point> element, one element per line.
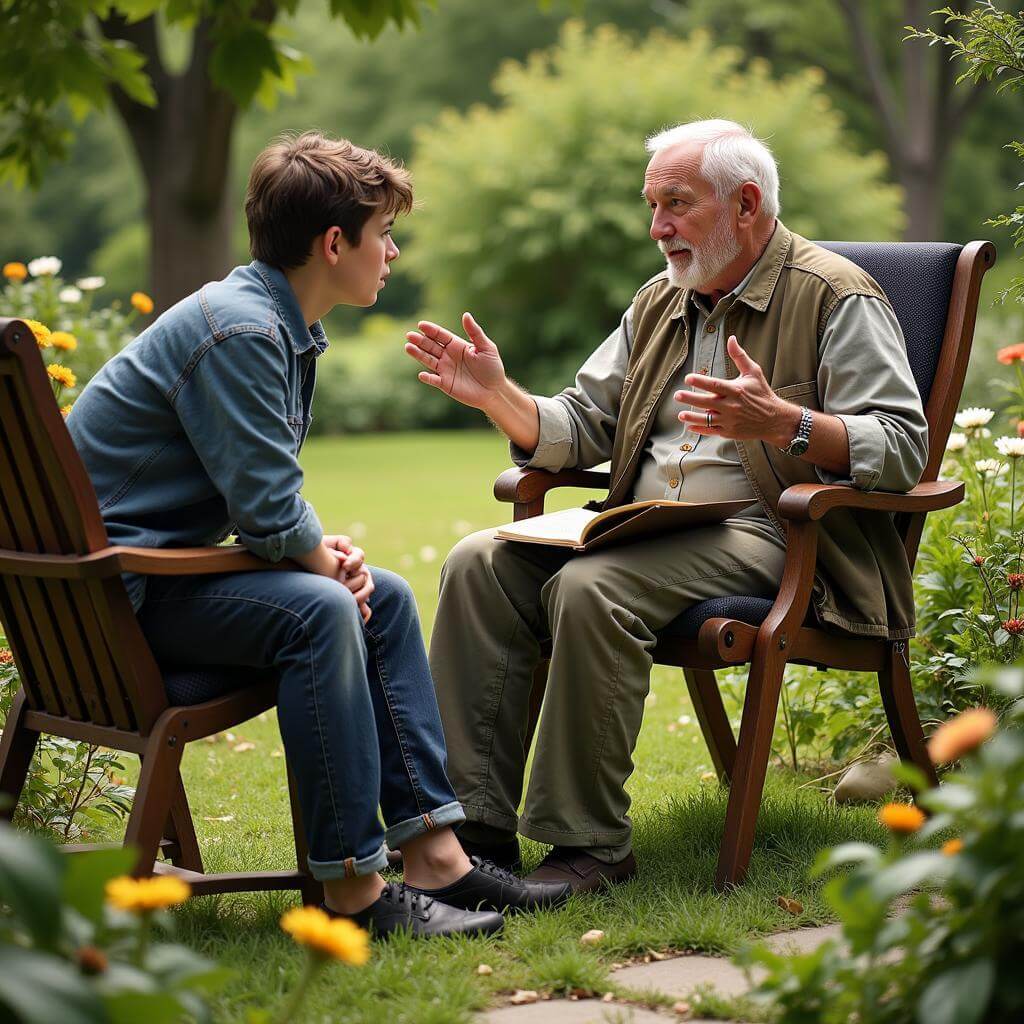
<point>742,409</point>
<point>470,371</point>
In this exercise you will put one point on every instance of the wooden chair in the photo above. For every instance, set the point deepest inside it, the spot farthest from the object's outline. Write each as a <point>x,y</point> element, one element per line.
<point>86,670</point>
<point>933,288</point>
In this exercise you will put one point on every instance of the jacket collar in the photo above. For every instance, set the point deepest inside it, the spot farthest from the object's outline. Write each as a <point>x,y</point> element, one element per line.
<point>301,337</point>
<point>760,285</point>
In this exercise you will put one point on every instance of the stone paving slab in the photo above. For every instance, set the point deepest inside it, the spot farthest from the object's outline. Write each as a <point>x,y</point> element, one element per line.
<point>680,975</point>
<point>582,1011</point>
<point>803,940</point>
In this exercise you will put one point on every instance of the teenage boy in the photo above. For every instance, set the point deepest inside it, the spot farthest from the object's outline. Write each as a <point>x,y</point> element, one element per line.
<point>192,433</point>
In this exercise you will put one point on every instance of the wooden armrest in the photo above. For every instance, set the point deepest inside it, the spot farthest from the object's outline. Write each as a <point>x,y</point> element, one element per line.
<point>117,559</point>
<point>524,485</point>
<point>812,501</point>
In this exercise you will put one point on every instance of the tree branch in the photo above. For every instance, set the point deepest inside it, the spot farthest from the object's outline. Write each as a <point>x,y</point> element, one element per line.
<point>869,54</point>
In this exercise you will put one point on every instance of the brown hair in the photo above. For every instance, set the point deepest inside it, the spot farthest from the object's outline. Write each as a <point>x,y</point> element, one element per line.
<point>301,185</point>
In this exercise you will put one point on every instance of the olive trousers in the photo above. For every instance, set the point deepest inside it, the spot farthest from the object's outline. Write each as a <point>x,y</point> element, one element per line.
<point>500,600</point>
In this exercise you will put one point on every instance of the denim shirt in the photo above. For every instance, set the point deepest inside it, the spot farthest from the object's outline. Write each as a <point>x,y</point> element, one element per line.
<point>192,432</point>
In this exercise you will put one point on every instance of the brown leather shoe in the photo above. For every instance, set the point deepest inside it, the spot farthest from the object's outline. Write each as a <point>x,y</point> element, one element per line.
<point>583,872</point>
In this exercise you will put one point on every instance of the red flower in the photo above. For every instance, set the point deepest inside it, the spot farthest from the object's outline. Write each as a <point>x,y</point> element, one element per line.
<point>1015,580</point>
<point>1020,428</point>
<point>979,559</point>
<point>1014,626</point>
<point>1011,354</point>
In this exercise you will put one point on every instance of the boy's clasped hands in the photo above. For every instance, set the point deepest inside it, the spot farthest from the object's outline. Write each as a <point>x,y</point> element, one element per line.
<point>352,571</point>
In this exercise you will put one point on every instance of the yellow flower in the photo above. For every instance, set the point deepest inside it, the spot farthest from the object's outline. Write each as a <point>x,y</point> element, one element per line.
<point>325,936</point>
<point>903,819</point>
<point>959,736</point>
<point>41,332</point>
<point>145,894</point>
<point>62,375</point>
<point>64,410</point>
<point>64,340</point>
<point>15,271</point>
<point>951,847</point>
<point>142,302</point>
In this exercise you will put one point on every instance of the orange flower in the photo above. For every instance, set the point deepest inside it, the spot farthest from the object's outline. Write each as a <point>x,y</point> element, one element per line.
<point>15,271</point>
<point>40,332</point>
<point>64,340</point>
<point>62,375</point>
<point>951,847</point>
<point>903,819</point>
<point>1020,428</point>
<point>64,410</point>
<point>960,735</point>
<point>1011,354</point>
<point>142,302</point>
<point>6,658</point>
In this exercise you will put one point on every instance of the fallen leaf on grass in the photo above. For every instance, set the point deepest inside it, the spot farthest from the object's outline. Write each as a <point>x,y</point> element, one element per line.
<point>681,1008</point>
<point>655,955</point>
<point>223,817</point>
<point>794,907</point>
<point>277,753</point>
<point>707,776</point>
<point>485,969</point>
<point>241,748</point>
<point>524,995</point>
<point>591,938</point>
<point>607,997</point>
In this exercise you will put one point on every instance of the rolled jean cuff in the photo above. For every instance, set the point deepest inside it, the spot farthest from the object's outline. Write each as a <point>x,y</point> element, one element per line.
<point>448,814</point>
<point>350,867</point>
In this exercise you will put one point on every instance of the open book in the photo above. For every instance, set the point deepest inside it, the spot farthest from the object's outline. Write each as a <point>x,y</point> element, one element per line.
<point>583,529</point>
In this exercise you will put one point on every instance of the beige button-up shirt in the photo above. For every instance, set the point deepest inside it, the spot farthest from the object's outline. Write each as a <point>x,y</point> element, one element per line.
<point>864,378</point>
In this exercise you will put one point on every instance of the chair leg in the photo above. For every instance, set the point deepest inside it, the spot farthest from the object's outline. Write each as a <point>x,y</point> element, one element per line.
<point>180,830</point>
<point>17,745</point>
<point>760,708</point>
<point>901,711</point>
<point>312,890</point>
<point>154,799</point>
<point>714,722</point>
<point>540,682</point>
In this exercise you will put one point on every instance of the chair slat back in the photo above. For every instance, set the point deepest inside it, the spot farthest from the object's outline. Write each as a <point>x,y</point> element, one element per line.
<point>933,288</point>
<point>77,644</point>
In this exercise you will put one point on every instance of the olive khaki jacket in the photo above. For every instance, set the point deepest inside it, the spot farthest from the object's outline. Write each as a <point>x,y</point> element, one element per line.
<point>863,583</point>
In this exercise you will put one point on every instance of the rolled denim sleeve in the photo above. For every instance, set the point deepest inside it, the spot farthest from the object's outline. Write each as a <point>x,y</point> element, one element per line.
<point>577,426</point>
<point>864,379</point>
<point>233,407</point>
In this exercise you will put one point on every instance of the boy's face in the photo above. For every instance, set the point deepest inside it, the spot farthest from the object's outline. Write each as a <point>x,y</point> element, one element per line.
<point>361,271</point>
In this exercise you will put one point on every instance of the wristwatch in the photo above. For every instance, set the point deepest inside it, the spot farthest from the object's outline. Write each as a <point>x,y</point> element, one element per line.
<point>802,441</point>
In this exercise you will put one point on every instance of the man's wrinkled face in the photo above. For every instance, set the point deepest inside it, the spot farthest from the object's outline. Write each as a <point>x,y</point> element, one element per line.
<point>693,228</point>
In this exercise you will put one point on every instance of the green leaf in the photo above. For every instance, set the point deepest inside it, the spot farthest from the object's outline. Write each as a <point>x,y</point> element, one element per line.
<point>846,853</point>
<point>959,996</point>
<point>86,875</point>
<point>909,872</point>
<point>241,58</point>
<point>40,988</point>
<point>30,883</point>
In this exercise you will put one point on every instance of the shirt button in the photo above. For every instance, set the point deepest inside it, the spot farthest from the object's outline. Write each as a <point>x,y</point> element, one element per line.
<point>710,328</point>
<point>685,447</point>
<point>674,482</point>
<point>705,370</point>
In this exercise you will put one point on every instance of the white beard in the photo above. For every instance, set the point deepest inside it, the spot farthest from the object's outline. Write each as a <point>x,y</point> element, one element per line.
<point>707,261</point>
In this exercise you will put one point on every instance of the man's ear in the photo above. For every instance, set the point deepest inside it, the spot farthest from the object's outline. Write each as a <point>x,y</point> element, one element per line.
<point>750,204</point>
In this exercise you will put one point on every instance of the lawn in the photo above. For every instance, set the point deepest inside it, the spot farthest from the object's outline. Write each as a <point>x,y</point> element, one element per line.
<point>407,499</point>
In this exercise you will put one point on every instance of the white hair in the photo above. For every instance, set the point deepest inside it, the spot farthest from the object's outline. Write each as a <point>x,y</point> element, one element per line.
<point>731,156</point>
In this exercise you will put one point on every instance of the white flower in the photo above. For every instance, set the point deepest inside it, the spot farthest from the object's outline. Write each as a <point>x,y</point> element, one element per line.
<point>956,442</point>
<point>69,294</point>
<point>428,553</point>
<point>1012,447</point>
<point>91,284</point>
<point>972,418</point>
<point>44,266</point>
<point>993,466</point>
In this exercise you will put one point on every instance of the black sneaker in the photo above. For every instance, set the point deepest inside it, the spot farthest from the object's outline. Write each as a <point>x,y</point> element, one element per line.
<point>504,855</point>
<point>491,887</point>
<point>402,907</point>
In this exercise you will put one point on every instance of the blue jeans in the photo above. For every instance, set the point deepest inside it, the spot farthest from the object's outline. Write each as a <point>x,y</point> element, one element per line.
<point>356,703</point>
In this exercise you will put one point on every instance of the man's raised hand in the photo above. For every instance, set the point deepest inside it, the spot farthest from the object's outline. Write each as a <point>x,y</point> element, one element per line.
<point>470,371</point>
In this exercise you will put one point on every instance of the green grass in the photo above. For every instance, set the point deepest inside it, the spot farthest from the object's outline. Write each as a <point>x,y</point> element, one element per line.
<point>408,498</point>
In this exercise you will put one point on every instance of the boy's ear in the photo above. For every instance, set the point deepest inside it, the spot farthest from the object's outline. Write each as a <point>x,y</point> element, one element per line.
<point>331,244</point>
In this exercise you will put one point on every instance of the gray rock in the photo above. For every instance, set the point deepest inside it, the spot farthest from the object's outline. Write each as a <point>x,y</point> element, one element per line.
<point>867,780</point>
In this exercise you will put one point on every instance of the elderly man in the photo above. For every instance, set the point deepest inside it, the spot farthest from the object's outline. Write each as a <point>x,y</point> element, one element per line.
<point>755,361</point>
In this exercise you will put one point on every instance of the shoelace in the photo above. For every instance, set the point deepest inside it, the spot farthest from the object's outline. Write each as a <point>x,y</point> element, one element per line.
<point>490,868</point>
<point>397,892</point>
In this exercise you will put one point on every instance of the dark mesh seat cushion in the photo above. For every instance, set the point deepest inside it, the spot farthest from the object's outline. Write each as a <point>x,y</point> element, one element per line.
<point>747,609</point>
<point>917,278</point>
<point>195,684</point>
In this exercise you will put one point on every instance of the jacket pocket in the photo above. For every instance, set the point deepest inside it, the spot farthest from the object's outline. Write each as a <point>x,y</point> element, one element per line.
<point>804,393</point>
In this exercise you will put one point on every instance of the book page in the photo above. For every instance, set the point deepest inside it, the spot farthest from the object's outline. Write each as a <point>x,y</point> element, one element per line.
<point>566,526</point>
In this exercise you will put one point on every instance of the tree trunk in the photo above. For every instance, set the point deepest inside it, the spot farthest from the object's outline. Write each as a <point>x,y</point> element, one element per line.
<point>183,146</point>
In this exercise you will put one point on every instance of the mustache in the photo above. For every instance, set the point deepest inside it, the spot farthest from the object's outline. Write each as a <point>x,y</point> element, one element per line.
<point>675,245</point>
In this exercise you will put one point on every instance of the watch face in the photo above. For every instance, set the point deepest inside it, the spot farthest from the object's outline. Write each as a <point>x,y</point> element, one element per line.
<point>798,446</point>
